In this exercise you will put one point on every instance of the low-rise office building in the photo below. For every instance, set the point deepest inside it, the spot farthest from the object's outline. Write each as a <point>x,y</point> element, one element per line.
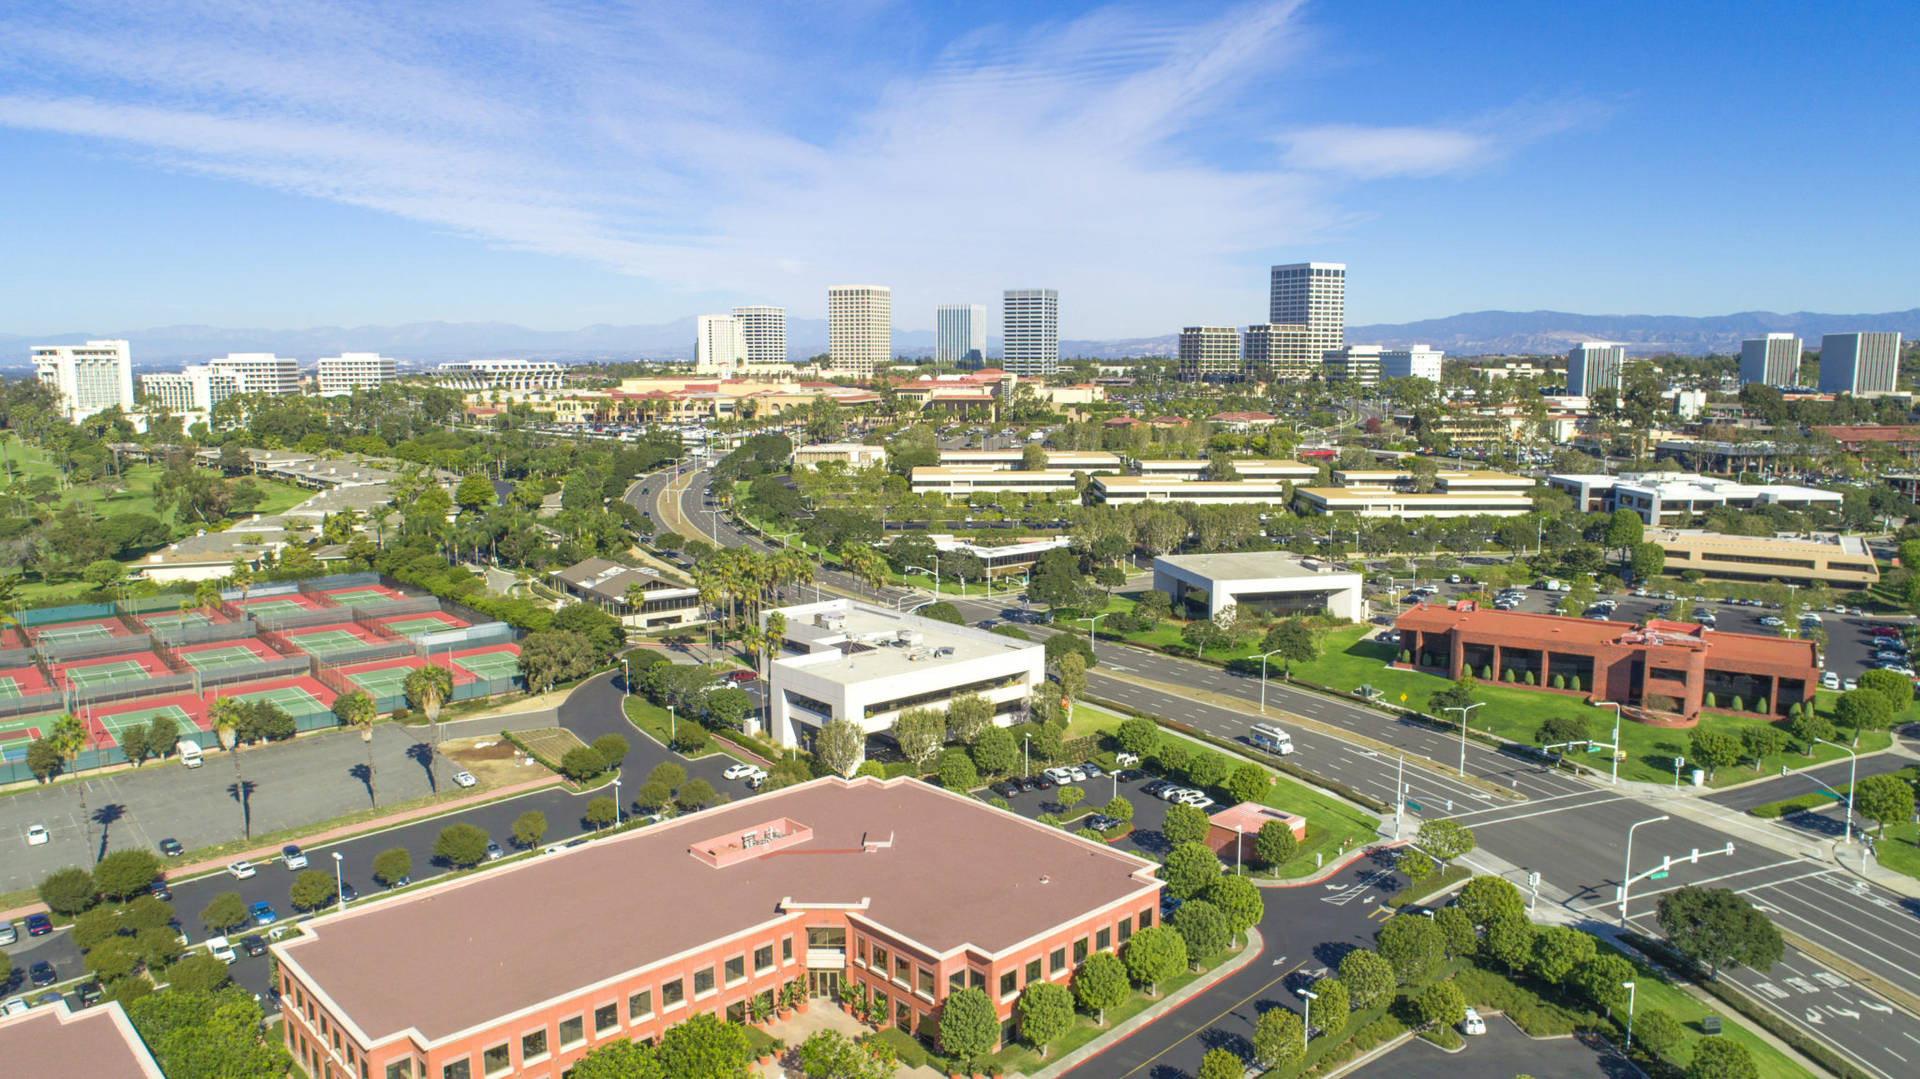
<point>850,454</point>
<point>854,661</point>
<point>97,1043</point>
<point>503,375</point>
<point>1011,460</point>
<point>1006,559</point>
<point>1122,490</point>
<point>1677,497</point>
<point>1842,561</point>
<point>1385,502</point>
<point>661,603</point>
<point>1676,663</point>
<point>962,481</point>
<point>1248,468</point>
<point>897,886</point>
<point>1268,583</point>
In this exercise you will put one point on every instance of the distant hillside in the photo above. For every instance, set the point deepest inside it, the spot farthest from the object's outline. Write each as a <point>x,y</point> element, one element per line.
<point>1543,332</point>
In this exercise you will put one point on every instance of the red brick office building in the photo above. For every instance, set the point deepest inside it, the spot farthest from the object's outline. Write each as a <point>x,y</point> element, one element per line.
<point>897,885</point>
<point>1612,661</point>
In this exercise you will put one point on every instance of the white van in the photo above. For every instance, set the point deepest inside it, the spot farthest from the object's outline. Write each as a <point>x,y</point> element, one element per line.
<point>189,752</point>
<point>221,948</point>
<point>1271,738</point>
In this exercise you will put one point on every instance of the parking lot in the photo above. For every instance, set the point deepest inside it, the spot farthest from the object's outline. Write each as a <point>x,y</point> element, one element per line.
<point>1501,1053</point>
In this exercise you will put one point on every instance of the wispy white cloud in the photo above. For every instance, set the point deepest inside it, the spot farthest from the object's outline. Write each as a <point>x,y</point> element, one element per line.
<point>765,156</point>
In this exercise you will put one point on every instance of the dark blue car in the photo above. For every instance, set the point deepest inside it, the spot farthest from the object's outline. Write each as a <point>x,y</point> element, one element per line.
<point>39,925</point>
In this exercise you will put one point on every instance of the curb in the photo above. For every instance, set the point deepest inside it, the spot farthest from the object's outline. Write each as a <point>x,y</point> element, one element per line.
<point>1324,872</point>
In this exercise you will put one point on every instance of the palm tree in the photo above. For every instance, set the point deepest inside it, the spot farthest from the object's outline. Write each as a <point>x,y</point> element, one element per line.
<point>378,515</point>
<point>10,601</point>
<point>426,689</point>
<point>206,595</point>
<point>68,739</point>
<point>224,715</point>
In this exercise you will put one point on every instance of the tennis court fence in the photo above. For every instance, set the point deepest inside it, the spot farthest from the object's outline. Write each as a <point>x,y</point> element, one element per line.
<point>465,637</point>
<point>161,686</point>
<point>124,618</point>
<point>333,581</point>
<point>393,608</point>
<point>16,657</point>
<point>44,616</point>
<point>301,619</point>
<point>367,653</point>
<point>274,588</point>
<point>283,667</point>
<point>169,657</point>
<point>372,625</point>
<point>487,687</point>
<point>32,704</point>
<point>185,634</point>
<point>329,676</point>
<point>68,651</point>
<point>16,771</point>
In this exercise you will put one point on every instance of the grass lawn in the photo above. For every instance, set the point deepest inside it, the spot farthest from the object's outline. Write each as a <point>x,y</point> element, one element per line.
<point>1898,849</point>
<point>657,723</point>
<point>1651,991</point>
<point>1018,1059</point>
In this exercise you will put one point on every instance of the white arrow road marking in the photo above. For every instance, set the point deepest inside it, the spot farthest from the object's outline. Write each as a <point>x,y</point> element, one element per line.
<point>1814,1017</point>
<point>1874,1005</point>
<point>1283,959</point>
<point>1846,1012</point>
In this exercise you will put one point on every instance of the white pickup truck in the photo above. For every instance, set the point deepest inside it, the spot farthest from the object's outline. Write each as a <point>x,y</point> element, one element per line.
<point>221,948</point>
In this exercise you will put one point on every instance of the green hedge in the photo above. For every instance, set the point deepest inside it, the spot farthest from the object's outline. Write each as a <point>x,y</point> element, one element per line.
<point>1535,1014</point>
<point>911,1051</point>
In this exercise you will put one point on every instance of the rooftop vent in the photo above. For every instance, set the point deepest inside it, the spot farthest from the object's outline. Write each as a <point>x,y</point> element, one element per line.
<point>910,636</point>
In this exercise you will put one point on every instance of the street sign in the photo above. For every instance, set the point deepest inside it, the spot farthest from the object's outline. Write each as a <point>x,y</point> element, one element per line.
<point>1660,874</point>
<point>1415,806</point>
<point>1591,748</point>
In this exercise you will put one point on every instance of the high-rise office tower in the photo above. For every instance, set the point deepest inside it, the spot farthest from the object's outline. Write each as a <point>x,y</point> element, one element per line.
<point>1593,366</point>
<point>763,334</point>
<point>960,334</point>
<point>859,329</point>
<point>1030,332</point>
<point>350,371</point>
<point>1210,353</point>
<point>1773,360</point>
<point>1862,364</point>
<point>260,372</point>
<point>717,345</point>
<point>86,379</point>
<point>1282,352</point>
<point>1314,295</point>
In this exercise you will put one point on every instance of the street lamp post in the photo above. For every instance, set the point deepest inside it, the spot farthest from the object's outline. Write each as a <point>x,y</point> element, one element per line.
<point>1853,770</point>
<point>1306,1020</point>
<point>672,728</point>
<point>1628,986</point>
<point>1626,871</point>
<point>1263,679</point>
<point>1463,709</point>
<point>1091,620</point>
<point>1615,748</point>
<point>935,571</point>
<point>626,680</point>
<point>1026,756</point>
<point>616,802</point>
<point>339,890</point>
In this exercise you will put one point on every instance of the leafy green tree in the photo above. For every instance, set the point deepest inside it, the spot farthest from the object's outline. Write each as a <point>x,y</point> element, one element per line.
<point>1139,736</point>
<point>1486,895</point>
<point>1560,729</point>
<point>1206,769</point>
<point>697,794</point>
<point>1153,955</point>
<point>1279,1039</point>
<point>1557,950</point>
<point>530,828</point>
<point>920,733</point>
<point>618,1059</point>
<point>1457,695</point>
<point>957,772</point>
<point>1718,1058</point>
<point>1441,1004</point>
<point>994,752</point>
<point>1368,978</point>
<point>1238,900</point>
<point>653,795</point>
<point>1413,946</point>
<point>601,812</point>
<point>1810,728</point>
<point>840,746</point>
<point>1445,839</point>
<point>1414,865</point>
<point>146,912</point>
<point>1647,560</point>
<point>968,715</point>
<point>612,749</point>
<point>198,973</point>
<point>1189,869</point>
<point>1275,844</point>
<point>704,1046</point>
<point>1184,824</point>
<point>1509,938</point>
<point>1762,742</point>
<point>582,763</point>
<point>207,1034</point>
<point>460,845</point>
<point>1100,983</point>
<point>1885,799</point>
<point>68,891</point>
<point>1247,783</point>
<point>1457,929</point>
<point>112,958</point>
<point>1119,809</point>
<point>1599,980</point>
<point>223,912</point>
<point>93,926</point>
<point>312,889</point>
<point>1221,1064</point>
<point>1203,927</point>
<point>1069,796</point>
<point>1659,1032</point>
<point>391,865</point>
<point>1046,1011</point>
<point>829,1054</point>
<point>1331,1010</point>
<point>1715,749</point>
<point>1294,641</point>
<point>1717,927</point>
<point>1897,688</point>
<point>1863,710</point>
<point>969,1026</point>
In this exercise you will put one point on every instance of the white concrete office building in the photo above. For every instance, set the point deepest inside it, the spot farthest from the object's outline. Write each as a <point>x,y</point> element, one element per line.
<point>763,334</point>
<point>1268,583</point>
<point>717,346</point>
<point>1862,364</point>
<point>1674,498</point>
<point>1210,352</point>
<point>86,379</point>
<point>1314,295</point>
<point>859,329</point>
<point>1414,361</point>
<point>867,664</point>
<point>1593,366</point>
<point>352,371</point>
<point>1357,364</point>
<point>1030,332</point>
<point>194,388</point>
<point>1283,352</point>
<point>503,375</point>
<point>260,372</point>
<point>1773,360</point>
<point>960,334</point>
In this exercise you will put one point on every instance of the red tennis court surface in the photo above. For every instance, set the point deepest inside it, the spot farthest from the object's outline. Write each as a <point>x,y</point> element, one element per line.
<point>365,592</point>
<point>285,601</point>
<point>257,647</point>
<point>89,629</point>
<point>252,690</point>
<point>26,682</point>
<point>408,625</point>
<point>109,670</point>
<point>107,721</point>
<point>12,638</point>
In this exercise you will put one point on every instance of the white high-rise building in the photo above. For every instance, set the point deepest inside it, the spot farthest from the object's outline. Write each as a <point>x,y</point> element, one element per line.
<point>86,379</point>
<point>1862,364</point>
<point>1210,352</point>
<point>1030,332</point>
<point>1283,352</point>
<point>1593,366</point>
<point>960,334</point>
<point>260,372</point>
<point>352,371</point>
<point>859,329</point>
<point>763,335</point>
<point>194,388</point>
<point>717,346</point>
<point>1414,361</point>
<point>1773,360</point>
<point>1314,295</point>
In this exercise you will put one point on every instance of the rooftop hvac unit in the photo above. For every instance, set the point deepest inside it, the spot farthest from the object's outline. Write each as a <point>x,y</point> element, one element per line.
<point>909,636</point>
<point>830,620</point>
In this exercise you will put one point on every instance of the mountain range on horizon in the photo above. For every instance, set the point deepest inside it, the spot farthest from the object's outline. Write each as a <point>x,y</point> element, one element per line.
<point>1469,334</point>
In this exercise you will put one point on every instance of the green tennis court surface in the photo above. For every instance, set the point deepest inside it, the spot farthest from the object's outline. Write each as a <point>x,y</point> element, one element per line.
<point>490,665</point>
<point>327,641</point>
<point>219,659</point>
<point>64,634</point>
<point>176,618</point>
<point>360,597</point>
<point>385,682</point>
<point>103,674</point>
<point>276,606</point>
<point>9,688</point>
<point>118,724</point>
<point>292,699</point>
<point>407,627</point>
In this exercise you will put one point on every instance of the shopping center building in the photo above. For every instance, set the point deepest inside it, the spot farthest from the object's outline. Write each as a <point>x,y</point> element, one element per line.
<point>898,886</point>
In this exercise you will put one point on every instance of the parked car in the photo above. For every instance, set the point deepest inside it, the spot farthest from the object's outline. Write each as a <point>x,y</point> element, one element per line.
<point>1830,680</point>
<point>262,913</point>
<point>1061,775</point>
<point>464,778</point>
<point>171,847</point>
<point>494,853</point>
<point>1022,784</point>
<point>89,994</point>
<point>1196,800</point>
<point>405,880</point>
<point>290,854</point>
<point>1175,793</point>
<point>159,890</point>
<point>222,949</point>
<point>1471,1023</point>
<point>738,771</point>
<point>740,677</point>
<point>38,835</point>
<point>241,870</point>
<point>14,1007</point>
<point>1849,684</point>
<point>1041,782</point>
<point>39,925</point>
<point>1006,788</point>
<point>1885,631</point>
<point>1093,770</point>
<point>252,944</point>
<point>8,934</point>
<point>42,974</point>
<point>1772,620</point>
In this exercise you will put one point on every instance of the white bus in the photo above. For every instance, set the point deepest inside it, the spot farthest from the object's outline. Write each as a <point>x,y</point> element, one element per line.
<point>1271,738</point>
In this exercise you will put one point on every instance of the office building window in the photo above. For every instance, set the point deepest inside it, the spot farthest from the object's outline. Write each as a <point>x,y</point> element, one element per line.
<point>1146,918</point>
<point>1033,971</point>
<point>736,969</point>
<point>1103,940</point>
<point>606,1017</point>
<point>1009,984</point>
<point>572,1032</point>
<point>672,993</point>
<point>533,1045</point>
<point>786,949</point>
<point>639,1006</point>
<point>879,960</point>
<point>926,983</point>
<point>762,958</point>
<point>902,971</point>
<point>400,1069</point>
<point>459,1069</point>
<point>1126,929</point>
<point>1057,962</point>
<point>497,1060</point>
<point>1079,951</point>
<point>702,982</point>
<point>956,981</point>
<point>978,979</point>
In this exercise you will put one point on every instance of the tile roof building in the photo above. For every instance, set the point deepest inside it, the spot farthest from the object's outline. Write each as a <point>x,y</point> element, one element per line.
<point>98,1043</point>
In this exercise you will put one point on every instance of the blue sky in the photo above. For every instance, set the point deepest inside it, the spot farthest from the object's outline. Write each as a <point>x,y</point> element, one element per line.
<point>329,162</point>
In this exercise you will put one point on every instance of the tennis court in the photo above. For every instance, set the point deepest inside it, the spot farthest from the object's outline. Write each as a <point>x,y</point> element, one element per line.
<point>17,733</point>
<point>99,630</point>
<point>491,666</point>
<point>384,681</point>
<point>278,605</point>
<point>175,619</point>
<point>219,659</point>
<point>22,682</point>
<point>295,700</point>
<point>414,625</point>
<point>328,641</point>
<point>111,672</point>
<point>365,594</point>
<point>117,723</point>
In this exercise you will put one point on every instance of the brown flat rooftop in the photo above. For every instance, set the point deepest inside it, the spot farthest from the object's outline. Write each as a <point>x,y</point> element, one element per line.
<point>98,1043</point>
<point>1550,628</point>
<point>936,868</point>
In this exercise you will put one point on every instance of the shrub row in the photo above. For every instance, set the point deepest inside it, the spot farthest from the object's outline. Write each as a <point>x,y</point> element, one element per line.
<point>1535,1014</point>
